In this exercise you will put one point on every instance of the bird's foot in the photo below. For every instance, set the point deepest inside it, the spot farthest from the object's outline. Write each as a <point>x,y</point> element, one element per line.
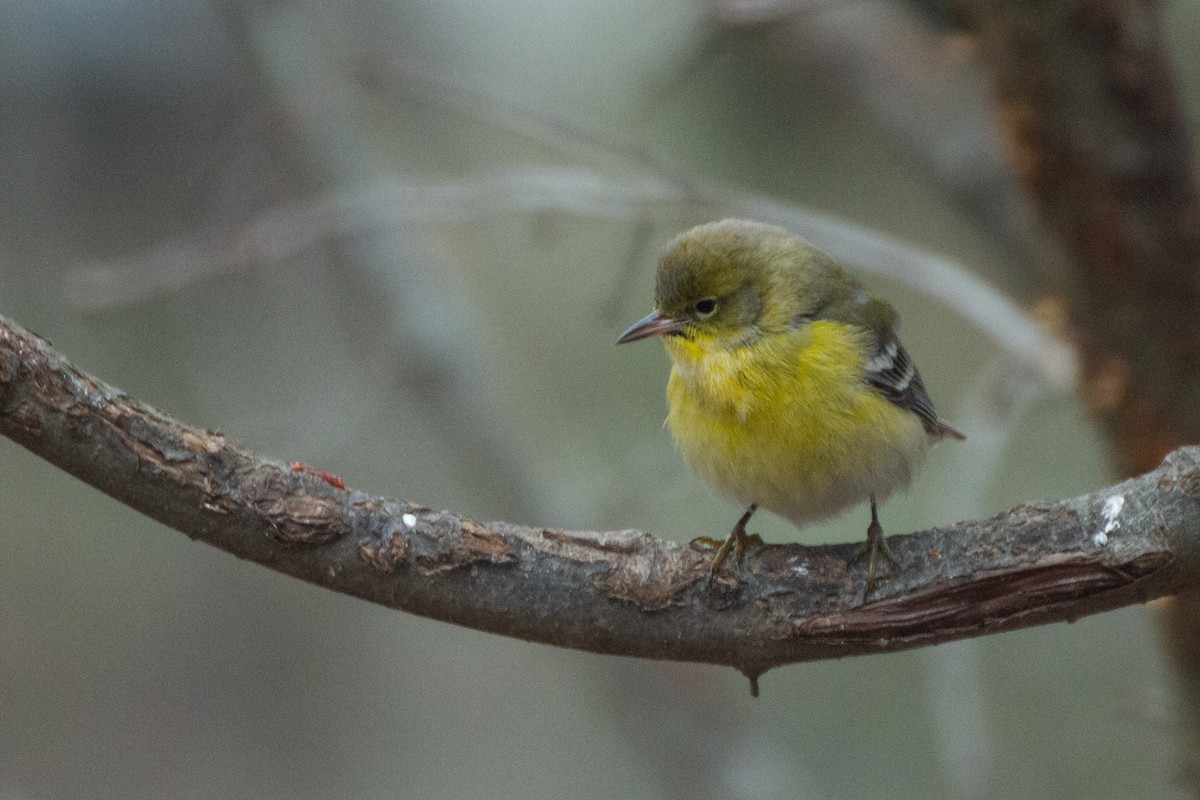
<point>875,546</point>
<point>736,543</point>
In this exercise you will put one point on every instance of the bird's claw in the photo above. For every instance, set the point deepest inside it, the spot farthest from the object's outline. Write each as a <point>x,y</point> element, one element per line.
<point>735,543</point>
<point>875,546</point>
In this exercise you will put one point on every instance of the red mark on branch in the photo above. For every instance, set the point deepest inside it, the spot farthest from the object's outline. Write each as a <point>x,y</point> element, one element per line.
<point>328,477</point>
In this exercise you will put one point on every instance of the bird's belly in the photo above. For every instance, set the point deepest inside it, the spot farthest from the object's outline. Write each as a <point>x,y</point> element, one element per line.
<point>811,453</point>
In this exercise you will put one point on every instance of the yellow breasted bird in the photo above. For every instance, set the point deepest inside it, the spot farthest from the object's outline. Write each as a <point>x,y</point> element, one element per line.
<point>789,390</point>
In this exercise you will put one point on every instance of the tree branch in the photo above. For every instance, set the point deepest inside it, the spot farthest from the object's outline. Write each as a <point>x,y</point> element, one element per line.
<point>620,592</point>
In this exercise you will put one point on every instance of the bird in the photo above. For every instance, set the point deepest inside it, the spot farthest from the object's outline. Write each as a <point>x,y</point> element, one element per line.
<point>789,389</point>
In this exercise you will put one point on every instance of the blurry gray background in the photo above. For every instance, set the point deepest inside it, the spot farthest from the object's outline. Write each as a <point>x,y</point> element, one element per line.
<point>396,241</point>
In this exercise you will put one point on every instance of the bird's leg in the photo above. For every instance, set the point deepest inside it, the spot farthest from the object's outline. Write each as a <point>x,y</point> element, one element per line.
<point>737,541</point>
<point>873,547</point>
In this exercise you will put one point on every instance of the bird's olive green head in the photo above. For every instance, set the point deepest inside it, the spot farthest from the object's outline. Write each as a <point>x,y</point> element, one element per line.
<point>732,281</point>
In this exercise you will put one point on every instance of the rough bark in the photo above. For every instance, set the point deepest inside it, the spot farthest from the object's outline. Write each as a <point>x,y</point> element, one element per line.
<point>621,592</point>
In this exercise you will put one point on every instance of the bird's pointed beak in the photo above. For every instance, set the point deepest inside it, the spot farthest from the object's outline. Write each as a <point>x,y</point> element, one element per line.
<point>653,324</point>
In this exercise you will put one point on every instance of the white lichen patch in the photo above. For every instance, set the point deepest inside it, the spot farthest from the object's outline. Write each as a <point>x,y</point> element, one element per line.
<point>409,520</point>
<point>1110,512</point>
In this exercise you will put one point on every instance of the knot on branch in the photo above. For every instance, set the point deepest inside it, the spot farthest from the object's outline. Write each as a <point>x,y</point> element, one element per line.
<point>642,570</point>
<point>294,517</point>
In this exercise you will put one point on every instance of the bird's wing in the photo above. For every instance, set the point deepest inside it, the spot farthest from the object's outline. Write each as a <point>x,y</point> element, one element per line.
<point>891,372</point>
<point>889,369</point>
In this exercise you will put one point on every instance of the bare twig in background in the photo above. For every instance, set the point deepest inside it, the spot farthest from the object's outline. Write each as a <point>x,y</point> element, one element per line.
<point>395,203</point>
<point>975,300</point>
<point>621,592</point>
<point>652,182</point>
<point>1089,103</point>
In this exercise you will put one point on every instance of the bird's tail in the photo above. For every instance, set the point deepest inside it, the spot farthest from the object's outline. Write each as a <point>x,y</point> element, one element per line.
<point>945,430</point>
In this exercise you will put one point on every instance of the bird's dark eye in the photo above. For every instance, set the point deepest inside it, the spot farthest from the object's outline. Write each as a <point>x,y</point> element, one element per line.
<point>706,306</point>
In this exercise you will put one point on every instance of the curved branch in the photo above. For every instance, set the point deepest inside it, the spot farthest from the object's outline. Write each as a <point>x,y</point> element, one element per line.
<point>620,592</point>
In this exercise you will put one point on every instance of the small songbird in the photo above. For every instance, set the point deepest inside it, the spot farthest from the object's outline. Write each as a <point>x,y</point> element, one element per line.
<point>789,390</point>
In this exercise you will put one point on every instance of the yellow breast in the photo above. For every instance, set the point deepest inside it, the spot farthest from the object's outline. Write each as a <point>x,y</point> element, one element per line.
<point>789,423</point>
